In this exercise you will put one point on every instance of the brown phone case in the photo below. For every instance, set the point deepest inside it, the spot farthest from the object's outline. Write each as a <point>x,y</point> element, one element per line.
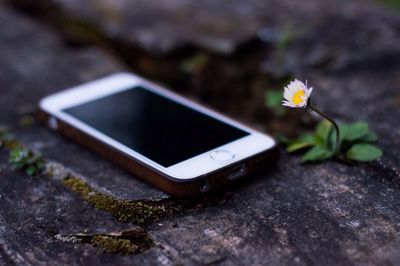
<point>171,185</point>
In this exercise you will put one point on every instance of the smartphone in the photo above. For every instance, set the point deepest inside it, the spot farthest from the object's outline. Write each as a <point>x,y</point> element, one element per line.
<point>172,142</point>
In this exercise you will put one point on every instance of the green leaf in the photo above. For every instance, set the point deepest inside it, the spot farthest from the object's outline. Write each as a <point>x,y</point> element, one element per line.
<point>370,137</point>
<point>298,146</point>
<point>323,130</point>
<point>363,152</point>
<point>352,132</point>
<point>283,139</point>
<point>273,98</point>
<point>317,153</point>
<point>304,141</point>
<point>15,156</point>
<point>307,137</point>
<point>22,158</point>
<point>40,166</point>
<point>31,170</point>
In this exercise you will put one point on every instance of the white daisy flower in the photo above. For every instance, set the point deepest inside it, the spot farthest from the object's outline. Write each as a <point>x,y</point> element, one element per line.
<point>296,94</point>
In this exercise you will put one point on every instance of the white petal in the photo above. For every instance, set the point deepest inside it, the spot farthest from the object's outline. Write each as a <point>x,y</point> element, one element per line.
<point>286,98</point>
<point>297,85</point>
<point>309,91</point>
<point>293,88</point>
<point>303,86</point>
<point>288,104</point>
<point>288,95</point>
<point>303,104</point>
<point>290,89</point>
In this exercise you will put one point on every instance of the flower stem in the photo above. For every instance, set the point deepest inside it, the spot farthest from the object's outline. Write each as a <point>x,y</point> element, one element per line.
<point>311,107</point>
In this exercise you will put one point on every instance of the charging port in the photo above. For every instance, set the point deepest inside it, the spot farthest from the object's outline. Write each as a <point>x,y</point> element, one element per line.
<point>237,171</point>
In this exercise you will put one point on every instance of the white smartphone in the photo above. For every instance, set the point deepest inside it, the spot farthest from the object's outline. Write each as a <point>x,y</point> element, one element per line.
<point>172,142</point>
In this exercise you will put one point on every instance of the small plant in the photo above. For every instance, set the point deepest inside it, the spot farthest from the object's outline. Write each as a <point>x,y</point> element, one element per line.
<point>351,142</point>
<point>355,143</point>
<point>25,159</point>
<point>273,100</point>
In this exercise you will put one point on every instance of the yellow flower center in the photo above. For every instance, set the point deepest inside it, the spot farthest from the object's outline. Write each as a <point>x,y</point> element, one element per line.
<point>298,97</point>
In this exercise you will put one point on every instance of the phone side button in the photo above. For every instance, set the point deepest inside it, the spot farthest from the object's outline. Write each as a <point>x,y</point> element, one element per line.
<point>237,172</point>
<point>222,156</point>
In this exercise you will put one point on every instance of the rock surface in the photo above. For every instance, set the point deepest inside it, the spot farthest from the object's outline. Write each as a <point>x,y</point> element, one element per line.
<point>327,213</point>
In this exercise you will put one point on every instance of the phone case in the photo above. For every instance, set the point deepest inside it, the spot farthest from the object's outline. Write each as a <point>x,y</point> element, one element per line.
<point>171,185</point>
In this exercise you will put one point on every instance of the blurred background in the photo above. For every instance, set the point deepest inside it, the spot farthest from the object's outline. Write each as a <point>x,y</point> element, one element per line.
<point>233,55</point>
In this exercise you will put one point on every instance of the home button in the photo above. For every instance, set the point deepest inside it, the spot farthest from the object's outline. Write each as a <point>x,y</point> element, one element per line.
<point>222,155</point>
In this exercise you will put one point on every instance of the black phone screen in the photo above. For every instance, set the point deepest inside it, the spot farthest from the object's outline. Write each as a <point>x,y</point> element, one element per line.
<point>155,126</point>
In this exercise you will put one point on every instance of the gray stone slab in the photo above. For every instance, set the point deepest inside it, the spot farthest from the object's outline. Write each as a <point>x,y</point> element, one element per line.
<point>309,215</point>
<point>328,213</point>
<point>164,26</point>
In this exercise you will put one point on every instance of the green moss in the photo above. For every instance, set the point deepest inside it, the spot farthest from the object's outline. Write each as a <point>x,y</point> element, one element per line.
<point>125,243</point>
<point>26,120</point>
<point>140,213</point>
<point>5,136</point>
<point>7,139</point>
<point>113,244</point>
<point>195,63</point>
